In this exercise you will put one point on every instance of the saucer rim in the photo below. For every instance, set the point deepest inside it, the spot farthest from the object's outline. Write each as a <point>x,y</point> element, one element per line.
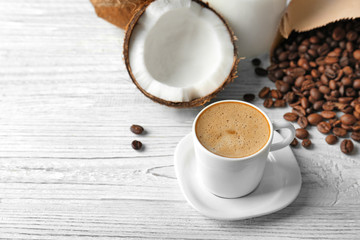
<point>294,190</point>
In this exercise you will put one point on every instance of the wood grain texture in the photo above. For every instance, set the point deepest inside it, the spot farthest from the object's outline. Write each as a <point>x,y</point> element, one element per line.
<point>67,170</point>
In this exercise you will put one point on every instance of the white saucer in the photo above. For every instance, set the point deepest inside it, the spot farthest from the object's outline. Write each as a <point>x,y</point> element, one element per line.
<point>278,188</point>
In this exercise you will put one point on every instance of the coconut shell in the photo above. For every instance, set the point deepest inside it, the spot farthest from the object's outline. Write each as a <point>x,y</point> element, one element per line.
<point>197,101</point>
<point>117,12</point>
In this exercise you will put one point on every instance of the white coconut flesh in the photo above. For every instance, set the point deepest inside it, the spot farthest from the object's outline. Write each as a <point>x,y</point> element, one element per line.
<point>180,50</point>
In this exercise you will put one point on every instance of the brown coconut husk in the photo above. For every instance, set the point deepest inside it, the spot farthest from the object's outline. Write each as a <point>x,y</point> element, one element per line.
<point>117,12</point>
<point>195,102</point>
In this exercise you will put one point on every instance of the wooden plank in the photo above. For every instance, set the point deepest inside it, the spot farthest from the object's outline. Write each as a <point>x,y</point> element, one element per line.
<point>67,170</point>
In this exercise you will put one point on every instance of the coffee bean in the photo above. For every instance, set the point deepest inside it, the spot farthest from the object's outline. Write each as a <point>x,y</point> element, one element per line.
<point>303,122</point>
<point>264,92</point>
<point>268,103</point>
<point>356,54</point>
<point>294,142</point>
<point>306,143</point>
<point>347,119</point>
<point>315,93</point>
<point>346,127</point>
<point>324,89</point>
<point>299,110</point>
<point>301,133</point>
<point>356,84</point>
<point>328,114</point>
<point>314,118</point>
<point>331,139</point>
<point>279,103</point>
<point>295,72</point>
<point>318,105</point>
<point>357,108</point>
<point>351,35</point>
<point>324,127</point>
<point>276,94</point>
<point>347,146</point>
<point>256,62</point>
<point>338,33</point>
<point>291,117</point>
<point>290,97</point>
<point>137,145</point>
<point>355,136</point>
<point>339,132</point>
<point>249,97</point>
<point>137,129</point>
<point>260,71</point>
<point>336,123</point>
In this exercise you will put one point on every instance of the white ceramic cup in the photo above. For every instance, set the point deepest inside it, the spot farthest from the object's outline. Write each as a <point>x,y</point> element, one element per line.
<point>236,177</point>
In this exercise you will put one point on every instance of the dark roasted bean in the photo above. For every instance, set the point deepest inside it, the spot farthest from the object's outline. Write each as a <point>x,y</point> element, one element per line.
<point>303,122</point>
<point>249,97</point>
<point>256,62</point>
<point>268,103</point>
<point>137,145</point>
<point>324,127</point>
<point>264,92</point>
<point>306,143</point>
<point>137,129</point>
<point>347,146</point>
<point>301,133</point>
<point>314,118</point>
<point>260,71</point>
<point>331,139</point>
<point>339,132</point>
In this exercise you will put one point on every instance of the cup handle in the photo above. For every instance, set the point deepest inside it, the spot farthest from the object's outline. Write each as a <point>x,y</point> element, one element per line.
<point>287,140</point>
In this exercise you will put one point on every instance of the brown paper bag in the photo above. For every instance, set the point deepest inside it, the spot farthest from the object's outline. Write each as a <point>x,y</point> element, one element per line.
<point>305,15</point>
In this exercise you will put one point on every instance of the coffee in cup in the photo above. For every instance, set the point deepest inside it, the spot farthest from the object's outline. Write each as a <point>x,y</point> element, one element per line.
<point>232,129</point>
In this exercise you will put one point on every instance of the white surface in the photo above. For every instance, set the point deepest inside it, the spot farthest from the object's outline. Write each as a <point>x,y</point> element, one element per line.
<point>278,188</point>
<point>180,51</point>
<point>67,170</point>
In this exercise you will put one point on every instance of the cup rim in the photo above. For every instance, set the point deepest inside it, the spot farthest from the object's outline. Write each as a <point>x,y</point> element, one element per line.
<point>229,158</point>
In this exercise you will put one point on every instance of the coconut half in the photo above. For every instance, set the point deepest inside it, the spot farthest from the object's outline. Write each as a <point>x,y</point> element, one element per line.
<point>180,53</point>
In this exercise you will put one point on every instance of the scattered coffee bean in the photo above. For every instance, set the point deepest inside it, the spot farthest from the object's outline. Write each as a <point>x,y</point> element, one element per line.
<point>136,145</point>
<point>348,119</point>
<point>303,122</point>
<point>137,129</point>
<point>314,118</point>
<point>306,143</point>
<point>355,136</point>
<point>328,114</point>
<point>331,139</point>
<point>347,146</point>
<point>324,127</point>
<point>279,103</point>
<point>261,71</point>
<point>276,94</point>
<point>256,62</point>
<point>291,117</point>
<point>301,133</point>
<point>294,142</point>
<point>264,92</point>
<point>339,132</point>
<point>268,103</point>
<point>249,97</point>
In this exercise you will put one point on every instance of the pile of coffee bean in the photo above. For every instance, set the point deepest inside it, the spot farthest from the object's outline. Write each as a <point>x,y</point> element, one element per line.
<point>318,74</point>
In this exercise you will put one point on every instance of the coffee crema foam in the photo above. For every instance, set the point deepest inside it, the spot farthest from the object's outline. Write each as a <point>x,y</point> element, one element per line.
<point>232,129</point>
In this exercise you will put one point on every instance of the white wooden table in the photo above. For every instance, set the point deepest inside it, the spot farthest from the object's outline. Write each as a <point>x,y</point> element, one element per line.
<point>67,170</point>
